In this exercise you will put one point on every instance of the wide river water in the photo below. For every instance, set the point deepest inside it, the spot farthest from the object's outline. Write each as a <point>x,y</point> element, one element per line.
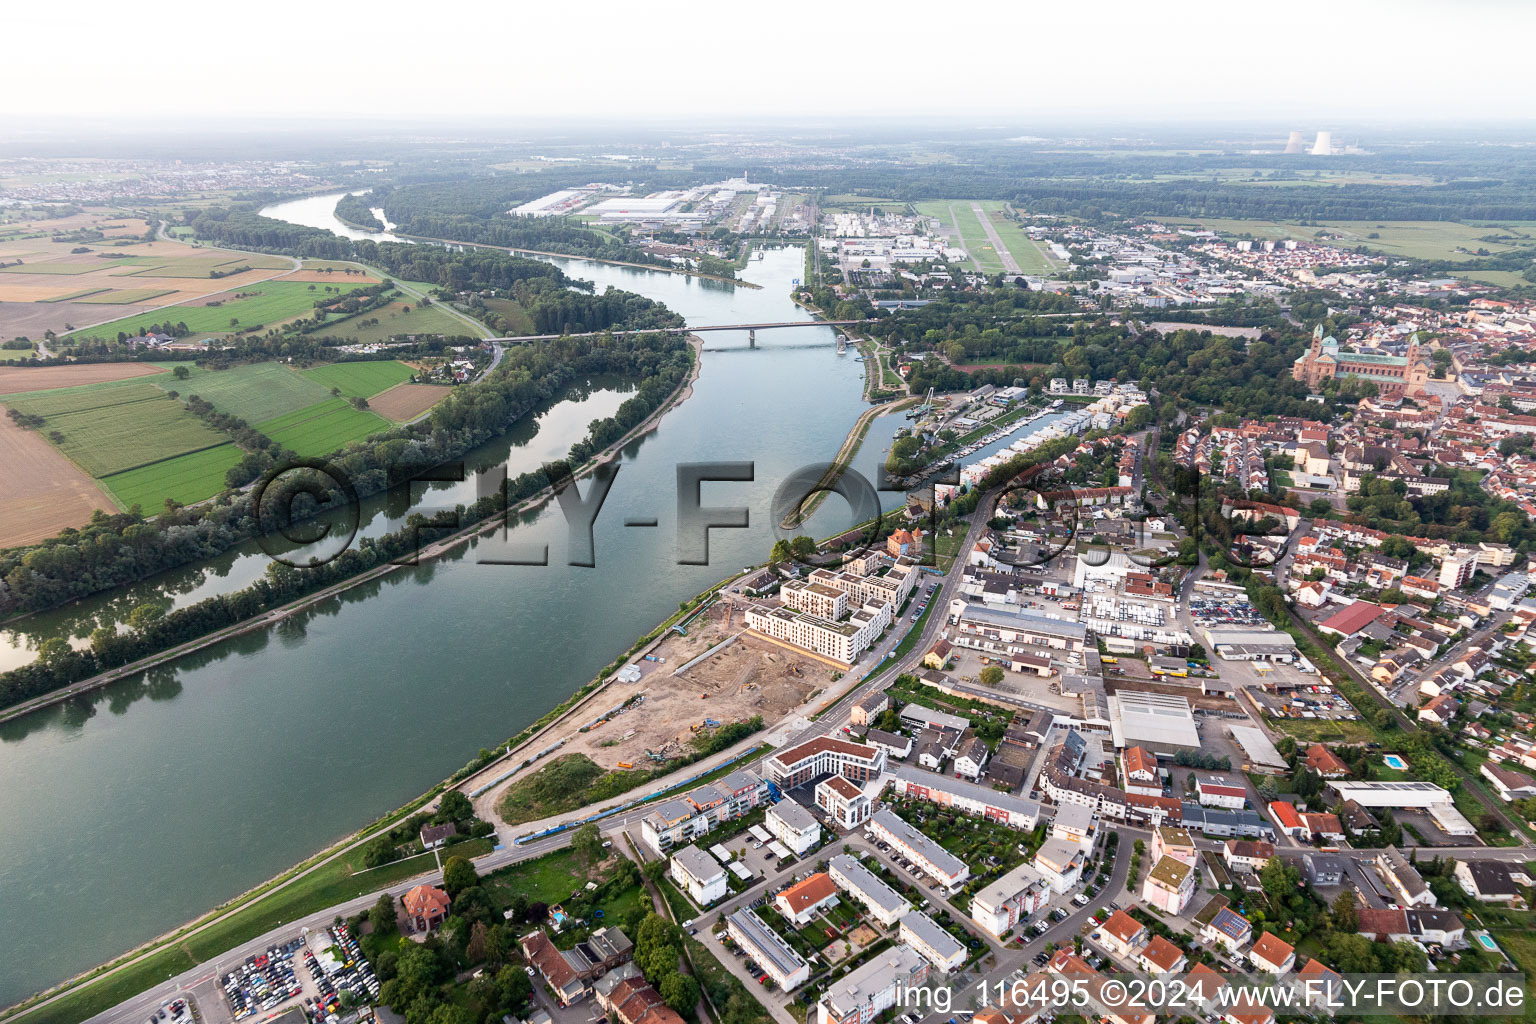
<point>127,813</point>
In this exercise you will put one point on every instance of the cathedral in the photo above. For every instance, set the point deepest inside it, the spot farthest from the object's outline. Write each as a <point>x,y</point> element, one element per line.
<point>1395,375</point>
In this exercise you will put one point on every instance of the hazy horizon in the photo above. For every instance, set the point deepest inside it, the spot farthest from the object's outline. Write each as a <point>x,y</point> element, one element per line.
<point>1311,65</point>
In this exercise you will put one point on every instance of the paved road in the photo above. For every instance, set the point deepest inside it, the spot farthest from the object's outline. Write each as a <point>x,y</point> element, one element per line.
<point>1010,264</point>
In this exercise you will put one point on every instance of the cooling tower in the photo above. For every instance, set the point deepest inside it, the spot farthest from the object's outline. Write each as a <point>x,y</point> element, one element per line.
<point>1324,144</point>
<point>1294,143</point>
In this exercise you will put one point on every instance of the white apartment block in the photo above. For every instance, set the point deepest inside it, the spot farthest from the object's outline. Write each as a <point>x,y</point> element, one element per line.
<point>938,947</point>
<point>793,825</point>
<point>1010,899</point>
<point>842,642</point>
<point>767,949</point>
<point>699,875</point>
<point>936,861</point>
<point>864,994</point>
<point>881,902</point>
<point>815,599</point>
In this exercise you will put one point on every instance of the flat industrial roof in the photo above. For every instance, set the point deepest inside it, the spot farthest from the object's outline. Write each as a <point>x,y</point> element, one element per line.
<point>1152,718</point>
<point>1257,746</point>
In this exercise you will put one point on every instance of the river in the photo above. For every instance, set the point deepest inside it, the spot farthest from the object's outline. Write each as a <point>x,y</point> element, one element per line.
<point>132,811</point>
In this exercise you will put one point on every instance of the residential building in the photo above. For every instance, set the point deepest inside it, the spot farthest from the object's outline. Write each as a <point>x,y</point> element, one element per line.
<point>767,949</point>
<point>1141,774</point>
<point>935,861</point>
<point>864,994</point>
<point>972,758</point>
<point>880,901</point>
<point>1272,955</point>
<point>846,804</point>
<point>1487,881</point>
<point>1075,824</point>
<point>677,821</point>
<point>1215,792</point>
<point>426,907</point>
<point>794,826</point>
<point>1122,934</point>
<point>1011,899</point>
<point>825,755</point>
<point>941,949</point>
<point>801,902</point>
<point>1176,843</point>
<point>1508,783</point>
<point>1403,879</point>
<point>869,707</point>
<point>982,801</point>
<point>1228,928</point>
<point>1247,854</point>
<point>1170,885</point>
<point>1060,862</point>
<point>840,641</point>
<point>1159,956</point>
<point>1325,762</point>
<point>434,836</point>
<point>698,874</point>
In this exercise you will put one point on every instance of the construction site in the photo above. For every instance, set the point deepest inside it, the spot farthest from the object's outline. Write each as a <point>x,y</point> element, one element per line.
<point>706,672</point>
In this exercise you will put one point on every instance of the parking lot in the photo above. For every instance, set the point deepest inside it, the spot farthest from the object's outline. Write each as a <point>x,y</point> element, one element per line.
<point>320,969</point>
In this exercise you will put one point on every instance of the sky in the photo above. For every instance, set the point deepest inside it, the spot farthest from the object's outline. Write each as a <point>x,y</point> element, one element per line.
<point>1301,61</point>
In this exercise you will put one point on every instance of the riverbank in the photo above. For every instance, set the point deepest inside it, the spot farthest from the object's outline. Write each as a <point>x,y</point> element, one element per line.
<point>841,462</point>
<point>572,256</point>
<point>434,550</point>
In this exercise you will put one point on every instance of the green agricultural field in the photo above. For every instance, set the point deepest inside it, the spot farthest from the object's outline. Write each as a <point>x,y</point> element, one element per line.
<point>125,296</point>
<point>256,392</point>
<point>360,380</point>
<point>110,429</point>
<point>186,478</point>
<point>323,427</point>
<point>266,303</point>
<point>1429,240</point>
<point>392,320</point>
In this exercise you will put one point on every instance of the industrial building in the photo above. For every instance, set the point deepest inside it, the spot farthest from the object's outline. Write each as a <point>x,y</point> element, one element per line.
<point>1159,721</point>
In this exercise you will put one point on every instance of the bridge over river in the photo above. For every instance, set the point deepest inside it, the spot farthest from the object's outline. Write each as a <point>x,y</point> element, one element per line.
<point>751,330</point>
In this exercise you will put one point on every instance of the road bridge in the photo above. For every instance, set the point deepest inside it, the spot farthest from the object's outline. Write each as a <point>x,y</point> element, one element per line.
<point>751,330</point>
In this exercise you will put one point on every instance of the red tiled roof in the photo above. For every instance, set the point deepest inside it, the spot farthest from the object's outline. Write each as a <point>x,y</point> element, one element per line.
<point>1272,949</point>
<point>1322,760</point>
<point>1122,925</point>
<point>426,901</point>
<point>1137,759</point>
<point>809,892</point>
<point>1162,953</point>
<point>1285,814</point>
<point>1354,618</point>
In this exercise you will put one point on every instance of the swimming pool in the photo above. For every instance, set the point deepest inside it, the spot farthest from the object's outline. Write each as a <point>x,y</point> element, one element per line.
<point>1486,941</point>
<point>1395,763</point>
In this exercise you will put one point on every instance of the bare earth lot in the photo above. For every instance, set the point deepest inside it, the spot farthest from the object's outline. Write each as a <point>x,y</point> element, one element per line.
<point>41,491</point>
<point>750,677</point>
<point>407,401</point>
<point>17,379</point>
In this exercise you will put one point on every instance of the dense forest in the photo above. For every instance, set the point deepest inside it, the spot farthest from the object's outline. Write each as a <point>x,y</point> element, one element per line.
<point>357,210</point>
<point>1196,367</point>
